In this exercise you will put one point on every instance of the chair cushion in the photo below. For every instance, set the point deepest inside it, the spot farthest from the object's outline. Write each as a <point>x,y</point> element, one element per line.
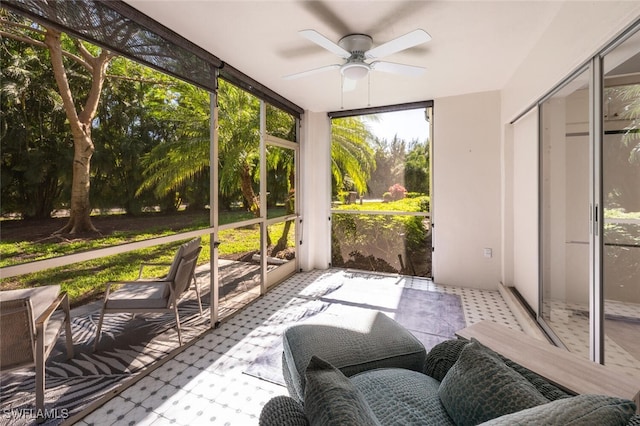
<point>402,397</point>
<point>480,387</point>
<point>373,340</point>
<point>583,410</point>
<point>41,297</point>
<point>139,295</point>
<point>182,251</point>
<point>331,399</point>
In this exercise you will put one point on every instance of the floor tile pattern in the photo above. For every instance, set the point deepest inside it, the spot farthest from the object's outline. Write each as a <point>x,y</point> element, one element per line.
<point>570,322</point>
<point>205,383</point>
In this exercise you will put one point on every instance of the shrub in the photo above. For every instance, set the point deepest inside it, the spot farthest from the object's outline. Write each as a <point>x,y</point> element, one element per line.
<point>398,192</point>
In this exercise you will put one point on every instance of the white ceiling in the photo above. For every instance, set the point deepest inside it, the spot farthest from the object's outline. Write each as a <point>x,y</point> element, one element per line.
<point>476,45</point>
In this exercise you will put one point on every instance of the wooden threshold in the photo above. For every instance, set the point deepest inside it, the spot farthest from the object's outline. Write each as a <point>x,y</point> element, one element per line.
<point>564,369</point>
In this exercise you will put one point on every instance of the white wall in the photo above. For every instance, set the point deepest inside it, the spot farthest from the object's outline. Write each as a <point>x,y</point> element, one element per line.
<point>524,213</point>
<point>579,31</point>
<point>466,190</point>
<point>315,181</point>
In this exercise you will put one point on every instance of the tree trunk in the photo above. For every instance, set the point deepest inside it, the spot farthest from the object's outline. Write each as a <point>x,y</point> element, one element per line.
<point>247,190</point>
<point>284,239</point>
<point>80,218</point>
<point>290,209</point>
<point>80,123</point>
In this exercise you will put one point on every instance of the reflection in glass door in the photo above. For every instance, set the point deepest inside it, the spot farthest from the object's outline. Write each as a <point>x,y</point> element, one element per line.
<point>590,209</point>
<point>564,184</point>
<point>621,202</point>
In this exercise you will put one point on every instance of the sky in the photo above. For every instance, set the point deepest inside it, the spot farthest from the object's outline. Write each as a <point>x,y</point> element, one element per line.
<point>408,125</point>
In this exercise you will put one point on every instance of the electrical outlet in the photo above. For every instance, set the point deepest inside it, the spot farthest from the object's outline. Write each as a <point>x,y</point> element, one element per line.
<point>488,252</point>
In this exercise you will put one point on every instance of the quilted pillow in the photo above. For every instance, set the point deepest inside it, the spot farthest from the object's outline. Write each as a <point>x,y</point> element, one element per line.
<point>480,387</point>
<point>442,357</point>
<point>581,410</point>
<point>331,399</point>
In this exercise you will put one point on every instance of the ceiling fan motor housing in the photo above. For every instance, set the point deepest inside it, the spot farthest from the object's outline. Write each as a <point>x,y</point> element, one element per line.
<point>355,68</point>
<point>356,43</point>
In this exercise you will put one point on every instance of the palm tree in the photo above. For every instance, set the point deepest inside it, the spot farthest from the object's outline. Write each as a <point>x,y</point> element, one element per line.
<point>352,159</point>
<point>176,161</point>
<point>239,143</point>
<point>281,161</point>
<point>171,164</point>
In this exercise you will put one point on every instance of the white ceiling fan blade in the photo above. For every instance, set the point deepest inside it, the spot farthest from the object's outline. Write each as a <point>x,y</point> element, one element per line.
<point>324,42</point>
<point>349,85</point>
<point>311,72</point>
<point>391,67</point>
<point>406,41</point>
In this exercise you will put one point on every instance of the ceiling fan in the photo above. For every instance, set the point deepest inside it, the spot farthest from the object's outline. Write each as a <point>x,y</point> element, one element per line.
<point>356,49</point>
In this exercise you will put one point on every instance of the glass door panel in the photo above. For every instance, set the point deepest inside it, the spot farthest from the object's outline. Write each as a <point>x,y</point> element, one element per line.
<point>281,179</point>
<point>621,202</point>
<point>564,186</point>
<point>281,261</point>
<point>281,207</point>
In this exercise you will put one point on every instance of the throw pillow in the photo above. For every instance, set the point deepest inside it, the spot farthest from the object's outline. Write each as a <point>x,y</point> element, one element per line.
<point>480,387</point>
<point>581,410</point>
<point>331,399</point>
<point>442,357</point>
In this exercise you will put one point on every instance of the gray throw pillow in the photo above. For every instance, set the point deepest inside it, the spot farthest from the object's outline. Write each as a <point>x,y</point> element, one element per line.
<point>581,410</point>
<point>331,399</point>
<point>480,387</point>
<point>442,357</point>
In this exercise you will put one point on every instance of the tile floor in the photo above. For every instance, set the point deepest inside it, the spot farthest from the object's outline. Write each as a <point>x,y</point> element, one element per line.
<point>570,321</point>
<point>205,383</point>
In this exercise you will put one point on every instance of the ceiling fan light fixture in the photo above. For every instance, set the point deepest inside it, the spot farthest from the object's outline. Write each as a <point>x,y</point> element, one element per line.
<point>355,71</point>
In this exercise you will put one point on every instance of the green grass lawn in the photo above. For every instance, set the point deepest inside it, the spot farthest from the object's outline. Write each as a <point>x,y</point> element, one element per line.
<point>87,280</point>
<point>417,204</point>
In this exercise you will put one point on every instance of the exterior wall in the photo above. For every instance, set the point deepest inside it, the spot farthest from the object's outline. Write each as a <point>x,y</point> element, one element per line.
<point>466,190</point>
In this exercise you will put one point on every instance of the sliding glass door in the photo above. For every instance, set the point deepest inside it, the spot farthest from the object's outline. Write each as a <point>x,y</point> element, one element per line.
<point>590,209</point>
<point>564,183</point>
<point>621,205</point>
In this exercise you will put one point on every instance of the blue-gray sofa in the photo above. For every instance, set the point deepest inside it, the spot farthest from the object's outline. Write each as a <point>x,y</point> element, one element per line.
<point>457,383</point>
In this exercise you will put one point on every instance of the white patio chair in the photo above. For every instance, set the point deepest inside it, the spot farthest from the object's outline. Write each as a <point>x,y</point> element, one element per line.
<point>161,295</point>
<point>30,324</point>
<point>173,267</point>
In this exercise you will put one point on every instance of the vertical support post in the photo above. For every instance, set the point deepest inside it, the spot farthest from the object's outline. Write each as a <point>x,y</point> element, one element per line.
<point>40,373</point>
<point>263,198</point>
<point>213,210</point>
<point>296,200</point>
